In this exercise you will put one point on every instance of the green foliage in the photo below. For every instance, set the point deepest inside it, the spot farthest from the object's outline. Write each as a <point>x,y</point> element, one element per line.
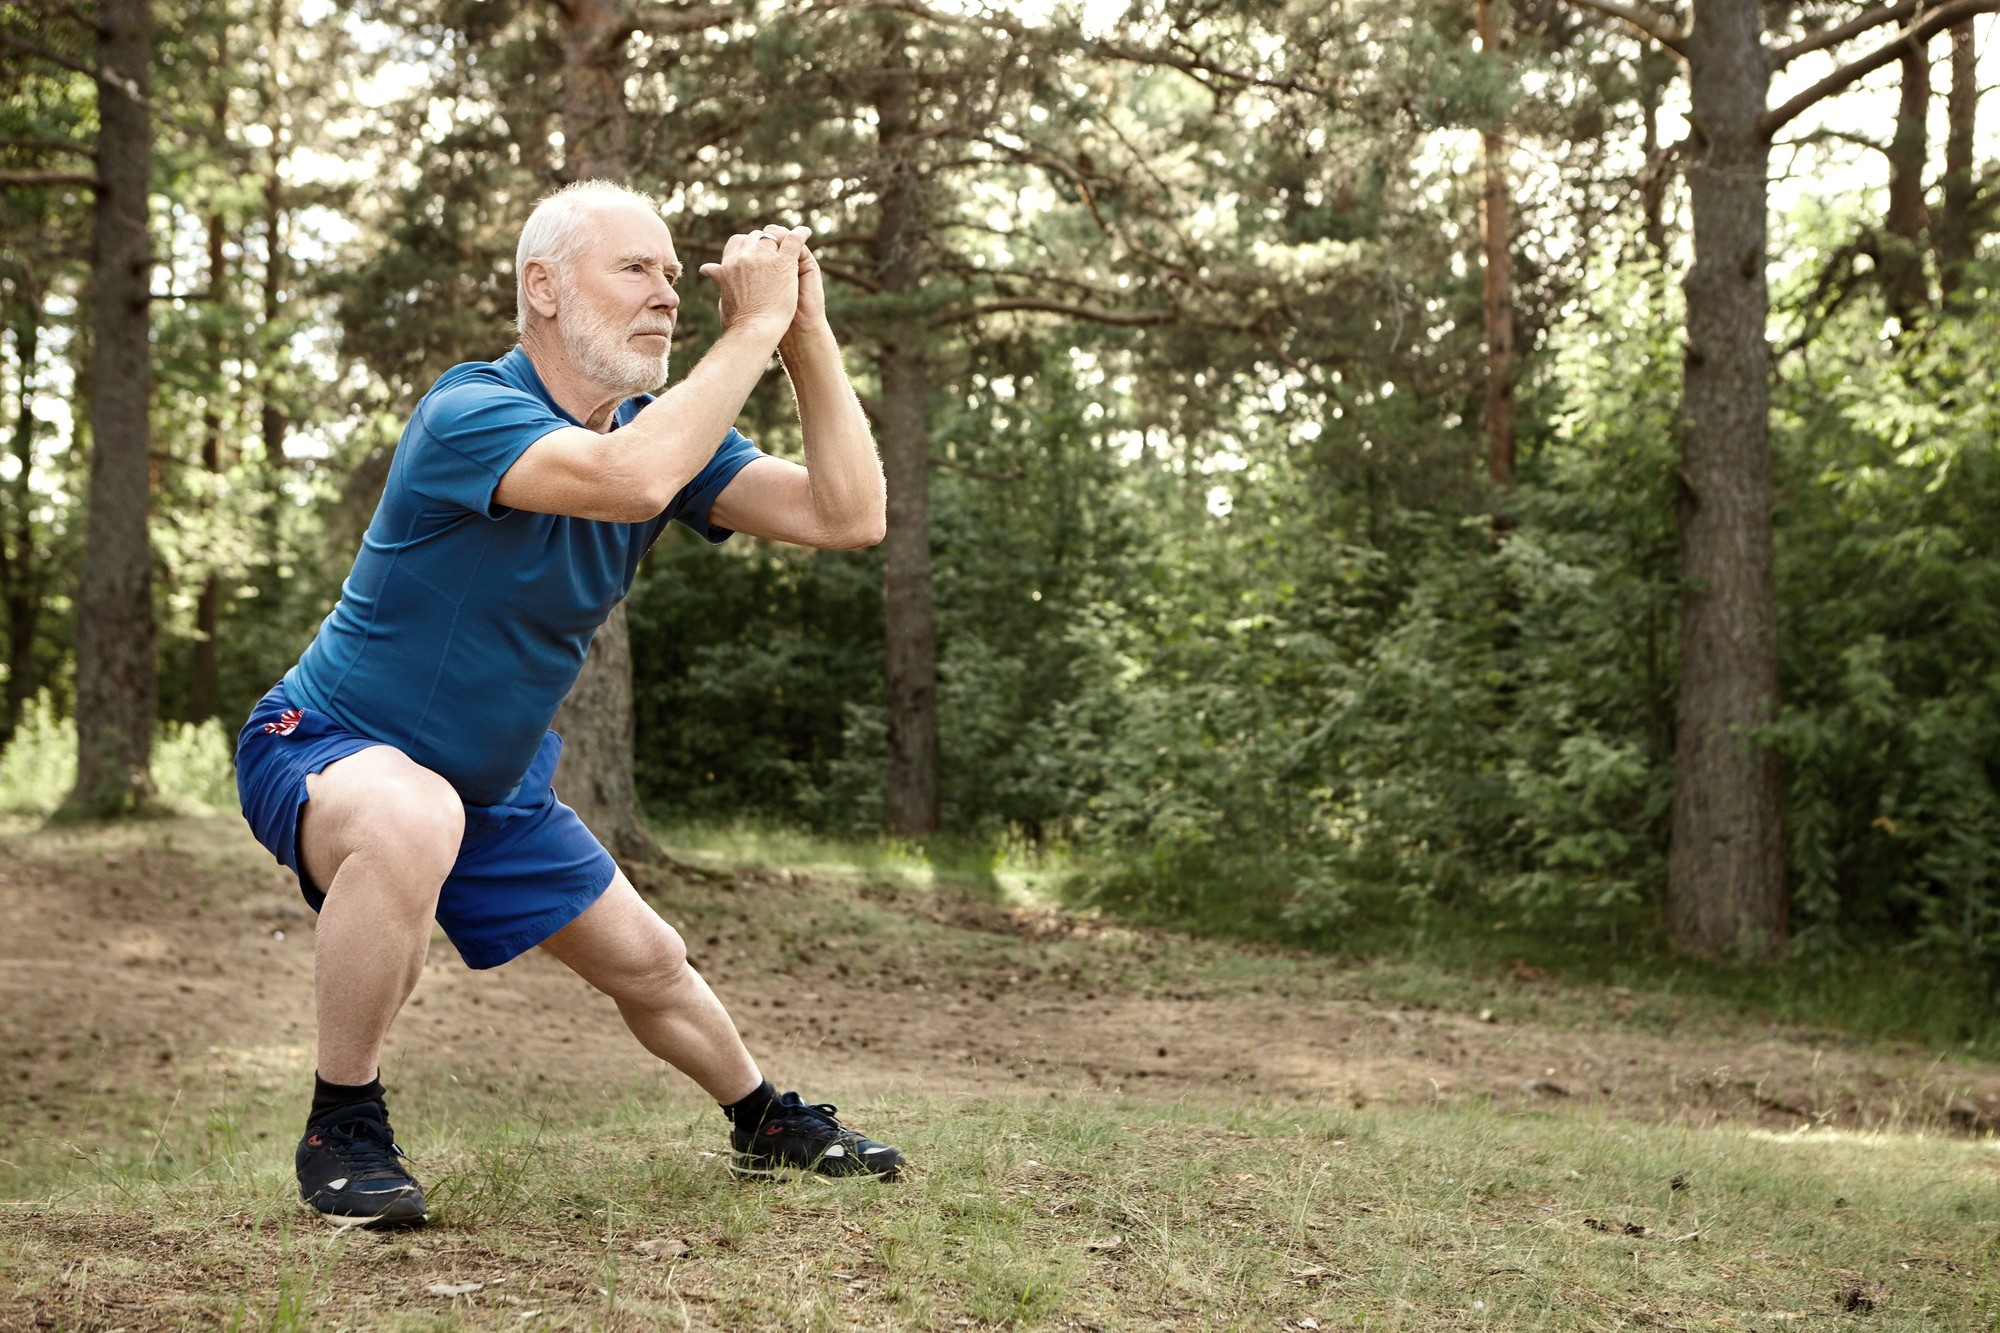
<point>1889,570</point>
<point>193,768</point>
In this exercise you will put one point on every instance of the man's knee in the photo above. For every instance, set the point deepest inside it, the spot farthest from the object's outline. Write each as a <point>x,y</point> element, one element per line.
<point>656,972</point>
<point>416,821</point>
<point>379,806</point>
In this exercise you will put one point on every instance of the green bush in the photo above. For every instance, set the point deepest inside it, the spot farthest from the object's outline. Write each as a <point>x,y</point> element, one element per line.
<point>193,765</point>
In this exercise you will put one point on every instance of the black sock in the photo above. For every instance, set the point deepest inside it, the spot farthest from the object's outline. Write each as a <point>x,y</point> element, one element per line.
<point>750,1112</point>
<point>331,1097</point>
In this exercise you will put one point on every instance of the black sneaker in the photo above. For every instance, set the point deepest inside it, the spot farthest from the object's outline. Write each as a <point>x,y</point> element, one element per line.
<point>798,1137</point>
<point>351,1171</point>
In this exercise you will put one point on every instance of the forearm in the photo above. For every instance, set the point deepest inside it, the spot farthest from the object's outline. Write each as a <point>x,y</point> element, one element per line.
<point>675,436</point>
<point>849,497</point>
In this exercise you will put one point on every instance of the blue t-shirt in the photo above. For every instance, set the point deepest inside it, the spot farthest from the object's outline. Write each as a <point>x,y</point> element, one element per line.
<point>464,623</point>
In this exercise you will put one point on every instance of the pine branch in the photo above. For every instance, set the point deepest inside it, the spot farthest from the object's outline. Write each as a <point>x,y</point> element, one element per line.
<point>1656,26</point>
<point>670,21</point>
<point>1088,313</point>
<point>1835,136</point>
<point>40,52</point>
<point>917,9</point>
<point>9,179</point>
<point>1195,65</point>
<point>1819,41</point>
<point>1933,22</point>
<point>51,146</point>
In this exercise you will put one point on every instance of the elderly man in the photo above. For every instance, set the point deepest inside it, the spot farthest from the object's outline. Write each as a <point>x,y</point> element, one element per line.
<point>402,768</point>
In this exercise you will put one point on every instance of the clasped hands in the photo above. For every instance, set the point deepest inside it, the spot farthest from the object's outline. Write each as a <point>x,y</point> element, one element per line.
<point>770,282</point>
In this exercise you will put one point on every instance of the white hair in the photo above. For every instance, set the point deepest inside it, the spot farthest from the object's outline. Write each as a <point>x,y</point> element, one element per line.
<point>559,227</point>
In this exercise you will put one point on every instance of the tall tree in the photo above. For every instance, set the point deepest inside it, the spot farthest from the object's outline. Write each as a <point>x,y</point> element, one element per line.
<point>20,563</point>
<point>116,676</point>
<point>902,360</point>
<point>1499,288</point>
<point>595,773</point>
<point>1906,218</point>
<point>896,108</point>
<point>1726,866</point>
<point>596,721</point>
<point>1957,230</point>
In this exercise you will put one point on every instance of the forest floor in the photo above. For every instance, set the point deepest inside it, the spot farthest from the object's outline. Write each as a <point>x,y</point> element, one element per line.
<point>1111,1128</point>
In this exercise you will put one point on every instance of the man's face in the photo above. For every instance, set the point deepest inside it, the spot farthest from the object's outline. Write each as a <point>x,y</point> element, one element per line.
<point>617,303</point>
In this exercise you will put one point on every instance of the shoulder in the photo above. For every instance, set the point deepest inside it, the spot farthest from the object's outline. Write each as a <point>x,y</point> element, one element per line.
<point>471,385</point>
<point>479,398</point>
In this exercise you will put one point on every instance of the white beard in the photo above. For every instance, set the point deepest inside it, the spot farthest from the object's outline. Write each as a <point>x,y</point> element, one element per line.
<point>605,353</point>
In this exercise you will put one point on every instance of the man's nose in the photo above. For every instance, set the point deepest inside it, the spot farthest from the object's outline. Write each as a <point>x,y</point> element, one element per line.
<point>664,296</point>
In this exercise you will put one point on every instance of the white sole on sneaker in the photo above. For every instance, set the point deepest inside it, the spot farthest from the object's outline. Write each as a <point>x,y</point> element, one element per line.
<point>785,1171</point>
<point>342,1222</point>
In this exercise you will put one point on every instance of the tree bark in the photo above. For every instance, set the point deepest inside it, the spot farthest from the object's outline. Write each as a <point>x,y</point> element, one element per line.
<point>1499,287</point>
<point>20,571</point>
<point>271,417</point>
<point>593,34</point>
<point>271,414</point>
<point>201,675</point>
<point>1656,72</point>
<point>910,693</point>
<point>1903,281</point>
<point>596,721</point>
<point>1957,233</point>
<point>1726,867</point>
<point>116,677</point>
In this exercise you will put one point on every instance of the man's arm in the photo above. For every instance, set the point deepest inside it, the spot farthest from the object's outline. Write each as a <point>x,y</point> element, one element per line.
<point>633,474</point>
<point>838,499</point>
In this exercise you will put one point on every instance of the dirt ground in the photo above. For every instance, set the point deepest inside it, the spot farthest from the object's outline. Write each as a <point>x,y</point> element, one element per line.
<point>147,960</point>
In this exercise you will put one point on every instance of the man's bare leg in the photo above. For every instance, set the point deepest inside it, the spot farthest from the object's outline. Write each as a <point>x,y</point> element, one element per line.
<point>622,947</point>
<point>377,836</point>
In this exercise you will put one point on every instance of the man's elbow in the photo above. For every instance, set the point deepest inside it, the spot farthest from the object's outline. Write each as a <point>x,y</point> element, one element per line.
<point>639,498</point>
<point>869,533</point>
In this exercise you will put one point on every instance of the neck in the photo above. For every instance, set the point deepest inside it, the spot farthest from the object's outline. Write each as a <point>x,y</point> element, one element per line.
<point>575,392</point>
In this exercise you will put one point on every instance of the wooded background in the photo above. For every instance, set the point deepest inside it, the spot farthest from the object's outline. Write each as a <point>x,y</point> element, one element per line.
<point>1530,454</point>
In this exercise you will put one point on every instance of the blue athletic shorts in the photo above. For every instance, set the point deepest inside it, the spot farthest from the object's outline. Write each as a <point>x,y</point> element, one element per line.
<point>524,871</point>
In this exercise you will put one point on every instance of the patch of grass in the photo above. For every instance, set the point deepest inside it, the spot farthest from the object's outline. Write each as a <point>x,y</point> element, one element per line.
<point>1026,1213</point>
<point>1004,871</point>
<point>192,765</point>
<point>1426,955</point>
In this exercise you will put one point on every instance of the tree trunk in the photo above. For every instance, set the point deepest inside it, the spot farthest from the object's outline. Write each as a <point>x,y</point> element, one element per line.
<point>910,693</point>
<point>116,676</point>
<point>1499,294</point>
<point>1957,233</point>
<point>1657,71</point>
<point>201,675</point>
<point>1903,280</point>
<point>20,571</point>
<point>594,33</point>
<point>596,721</point>
<point>1726,867</point>
<point>272,415</point>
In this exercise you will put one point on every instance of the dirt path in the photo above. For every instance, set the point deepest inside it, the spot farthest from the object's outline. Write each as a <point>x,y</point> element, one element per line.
<point>149,959</point>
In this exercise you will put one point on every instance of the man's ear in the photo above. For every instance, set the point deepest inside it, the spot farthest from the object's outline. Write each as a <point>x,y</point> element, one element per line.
<point>538,280</point>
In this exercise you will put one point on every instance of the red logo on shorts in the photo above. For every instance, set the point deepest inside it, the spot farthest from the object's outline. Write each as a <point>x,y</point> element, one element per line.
<point>287,723</point>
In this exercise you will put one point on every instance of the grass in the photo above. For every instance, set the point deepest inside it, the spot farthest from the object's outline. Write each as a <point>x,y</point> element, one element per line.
<point>1033,1212</point>
<point>563,1206</point>
<point>1432,955</point>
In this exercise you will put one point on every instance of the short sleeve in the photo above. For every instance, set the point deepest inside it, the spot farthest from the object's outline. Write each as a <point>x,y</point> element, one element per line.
<point>691,506</point>
<point>470,432</point>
